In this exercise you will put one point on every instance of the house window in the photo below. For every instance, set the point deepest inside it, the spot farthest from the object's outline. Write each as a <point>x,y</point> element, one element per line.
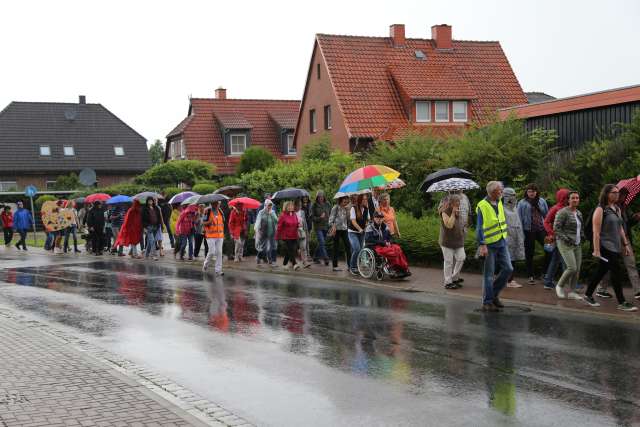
<point>318,70</point>
<point>291,149</point>
<point>45,150</point>
<point>118,150</point>
<point>460,111</point>
<point>68,150</point>
<point>238,143</point>
<point>313,124</point>
<point>327,117</point>
<point>8,186</point>
<point>183,150</point>
<point>51,185</point>
<point>442,111</point>
<point>423,111</point>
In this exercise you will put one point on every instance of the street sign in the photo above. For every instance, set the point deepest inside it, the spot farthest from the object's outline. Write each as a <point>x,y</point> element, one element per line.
<point>30,191</point>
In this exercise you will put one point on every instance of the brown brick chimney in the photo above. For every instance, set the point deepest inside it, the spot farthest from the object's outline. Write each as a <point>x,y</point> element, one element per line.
<point>396,32</point>
<point>221,93</point>
<point>441,35</point>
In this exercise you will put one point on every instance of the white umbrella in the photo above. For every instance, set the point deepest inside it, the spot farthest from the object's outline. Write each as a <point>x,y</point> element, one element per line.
<point>452,184</point>
<point>340,194</point>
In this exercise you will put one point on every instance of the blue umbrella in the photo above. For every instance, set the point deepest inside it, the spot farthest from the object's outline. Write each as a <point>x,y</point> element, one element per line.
<point>120,198</point>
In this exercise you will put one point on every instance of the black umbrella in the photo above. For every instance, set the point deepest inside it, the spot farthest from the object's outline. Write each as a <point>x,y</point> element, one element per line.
<point>230,190</point>
<point>443,174</point>
<point>290,193</point>
<point>210,198</point>
<point>79,200</point>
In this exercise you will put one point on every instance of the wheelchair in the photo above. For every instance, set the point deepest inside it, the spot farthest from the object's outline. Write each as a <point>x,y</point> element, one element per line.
<point>371,264</point>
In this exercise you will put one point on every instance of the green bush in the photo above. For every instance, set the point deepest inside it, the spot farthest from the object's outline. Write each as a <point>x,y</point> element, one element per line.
<point>67,182</point>
<point>169,192</point>
<point>126,188</point>
<point>319,148</point>
<point>205,188</point>
<point>176,172</point>
<point>44,198</point>
<point>255,159</point>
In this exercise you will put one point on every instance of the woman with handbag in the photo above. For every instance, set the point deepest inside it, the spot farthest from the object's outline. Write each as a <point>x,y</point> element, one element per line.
<point>338,226</point>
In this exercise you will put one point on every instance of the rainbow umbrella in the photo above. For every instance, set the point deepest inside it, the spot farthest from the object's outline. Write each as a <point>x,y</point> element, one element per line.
<point>368,177</point>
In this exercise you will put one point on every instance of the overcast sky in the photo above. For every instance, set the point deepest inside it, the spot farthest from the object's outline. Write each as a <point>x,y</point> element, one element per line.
<point>143,59</point>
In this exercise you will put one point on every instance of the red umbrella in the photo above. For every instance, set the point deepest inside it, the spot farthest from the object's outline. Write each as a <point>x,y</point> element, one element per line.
<point>247,202</point>
<point>97,196</point>
<point>632,185</point>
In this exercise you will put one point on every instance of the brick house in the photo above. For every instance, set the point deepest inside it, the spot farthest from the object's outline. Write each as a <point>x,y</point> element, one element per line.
<point>41,141</point>
<point>218,130</point>
<point>362,89</point>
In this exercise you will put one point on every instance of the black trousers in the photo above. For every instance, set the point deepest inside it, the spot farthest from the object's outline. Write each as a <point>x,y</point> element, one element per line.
<point>616,268</point>
<point>97,241</point>
<point>8,235</point>
<point>530,239</point>
<point>340,236</point>
<point>199,240</point>
<point>291,250</point>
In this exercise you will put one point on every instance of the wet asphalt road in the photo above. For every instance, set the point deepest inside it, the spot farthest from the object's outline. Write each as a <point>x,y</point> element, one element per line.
<point>287,351</point>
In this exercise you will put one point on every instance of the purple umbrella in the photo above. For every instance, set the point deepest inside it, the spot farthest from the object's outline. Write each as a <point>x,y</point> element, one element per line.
<point>180,197</point>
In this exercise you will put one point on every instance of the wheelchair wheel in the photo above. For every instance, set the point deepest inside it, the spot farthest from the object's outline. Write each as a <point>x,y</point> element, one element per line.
<point>366,263</point>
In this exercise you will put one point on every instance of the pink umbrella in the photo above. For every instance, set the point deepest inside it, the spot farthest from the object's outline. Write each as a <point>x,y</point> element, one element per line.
<point>247,202</point>
<point>632,185</point>
<point>97,196</point>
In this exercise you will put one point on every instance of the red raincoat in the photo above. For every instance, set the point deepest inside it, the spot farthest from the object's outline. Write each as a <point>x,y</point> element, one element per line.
<point>238,223</point>
<point>184,225</point>
<point>131,230</point>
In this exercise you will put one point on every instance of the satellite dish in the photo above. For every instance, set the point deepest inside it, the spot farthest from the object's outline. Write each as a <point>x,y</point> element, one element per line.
<point>87,177</point>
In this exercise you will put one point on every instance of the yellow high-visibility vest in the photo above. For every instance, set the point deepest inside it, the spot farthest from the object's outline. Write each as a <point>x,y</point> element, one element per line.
<point>494,227</point>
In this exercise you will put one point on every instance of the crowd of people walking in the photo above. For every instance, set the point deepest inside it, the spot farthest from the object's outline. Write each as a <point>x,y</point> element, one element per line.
<point>507,230</point>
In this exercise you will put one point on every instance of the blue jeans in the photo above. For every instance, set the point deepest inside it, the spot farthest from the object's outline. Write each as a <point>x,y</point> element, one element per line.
<point>355,240</point>
<point>184,241</point>
<point>48,243</point>
<point>498,253</point>
<point>150,248</point>
<point>70,231</point>
<point>321,250</point>
<point>554,263</point>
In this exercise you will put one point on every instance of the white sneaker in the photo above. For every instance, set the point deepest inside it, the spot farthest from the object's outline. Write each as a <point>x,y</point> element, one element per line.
<point>296,267</point>
<point>513,284</point>
<point>574,296</point>
<point>560,292</point>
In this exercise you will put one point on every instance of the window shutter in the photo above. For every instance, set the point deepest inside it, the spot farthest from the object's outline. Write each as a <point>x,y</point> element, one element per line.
<point>283,142</point>
<point>248,138</point>
<point>227,142</point>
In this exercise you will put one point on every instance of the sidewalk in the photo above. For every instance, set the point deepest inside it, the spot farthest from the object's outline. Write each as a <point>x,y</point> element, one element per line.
<point>46,382</point>
<point>427,280</point>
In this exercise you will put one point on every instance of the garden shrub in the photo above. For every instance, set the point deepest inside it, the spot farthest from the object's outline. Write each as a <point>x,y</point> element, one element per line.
<point>169,192</point>
<point>41,199</point>
<point>176,172</point>
<point>319,148</point>
<point>205,188</point>
<point>255,159</point>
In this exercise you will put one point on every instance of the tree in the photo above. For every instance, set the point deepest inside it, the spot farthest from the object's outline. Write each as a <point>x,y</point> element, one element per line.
<point>319,148</point>
<point>156,151</point>
<point>176,172</point>
<point>67,182</point>
<point>255,159</point>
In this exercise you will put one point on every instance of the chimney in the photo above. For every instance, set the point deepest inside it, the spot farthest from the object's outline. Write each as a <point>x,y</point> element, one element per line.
<point>221,93</point>
<point>82,99</point>
<point>441,35</point>
<point>396,32</point>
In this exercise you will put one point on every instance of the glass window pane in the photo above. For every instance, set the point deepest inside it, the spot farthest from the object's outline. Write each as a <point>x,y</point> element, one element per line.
<point>442,111</point>
<point>423,111</point>
<point>45,150</point>
<point>119,151</point>
<point>68,150</point>
<point>237,144</point>
<point>290,148</point>
<point>460,111</point>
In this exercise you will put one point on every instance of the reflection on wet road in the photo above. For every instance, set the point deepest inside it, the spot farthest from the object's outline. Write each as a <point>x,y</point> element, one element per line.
<point>290,351</point>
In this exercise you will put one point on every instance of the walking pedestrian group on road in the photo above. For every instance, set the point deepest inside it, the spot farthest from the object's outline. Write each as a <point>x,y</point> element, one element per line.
<point>362,226</point>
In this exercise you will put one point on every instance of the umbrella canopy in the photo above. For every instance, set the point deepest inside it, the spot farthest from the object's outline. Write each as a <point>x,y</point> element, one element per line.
<point>443,174</point>
<point>340,194</point>
<point>142,197</point>
<point>211,198</point>
<point>452,184</point>
<point>368,177</point>
<point>120,198</point>
<point>632,185</point>
<point>396,183</point>
<point>97,197</point>
<point>290,193</point>
<point>180,197</point>
<point>79,200</point>
<point>247,202</point>
<point>230,190</point>
<point>191,200</point>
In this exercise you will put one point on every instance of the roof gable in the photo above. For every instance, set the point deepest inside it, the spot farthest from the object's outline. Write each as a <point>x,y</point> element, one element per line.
<point>91,129</point>
<point>371,76</point>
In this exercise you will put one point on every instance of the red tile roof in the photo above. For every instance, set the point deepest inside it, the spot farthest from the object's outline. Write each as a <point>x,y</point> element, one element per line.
<point>178,129</point>
<point>370,76</point>
<point>285,119</point>
<point>232,119</point>
<point>573,103</point>
<point>202,136</point>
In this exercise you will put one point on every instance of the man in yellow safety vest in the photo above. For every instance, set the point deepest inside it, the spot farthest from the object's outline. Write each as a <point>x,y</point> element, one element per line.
<point>491,233</point>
